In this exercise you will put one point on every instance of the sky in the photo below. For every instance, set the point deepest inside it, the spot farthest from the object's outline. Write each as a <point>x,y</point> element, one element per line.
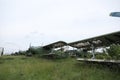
<point>40,22</point>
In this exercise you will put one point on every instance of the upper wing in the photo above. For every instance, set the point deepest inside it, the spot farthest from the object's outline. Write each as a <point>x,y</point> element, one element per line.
<point>99,41</point>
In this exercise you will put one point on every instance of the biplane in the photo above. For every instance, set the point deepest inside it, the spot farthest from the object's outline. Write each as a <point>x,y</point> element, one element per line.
<point>89,44</point>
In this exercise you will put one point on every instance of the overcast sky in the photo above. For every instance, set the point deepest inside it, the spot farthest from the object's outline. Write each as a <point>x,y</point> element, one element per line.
<point>41,22</point>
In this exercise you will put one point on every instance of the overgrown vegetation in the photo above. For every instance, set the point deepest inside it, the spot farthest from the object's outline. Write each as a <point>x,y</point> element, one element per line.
<point>102,56</point>
<point>114,51</point>
<point>39,51</point>
<point>31,68</point>
<point>59,67</point>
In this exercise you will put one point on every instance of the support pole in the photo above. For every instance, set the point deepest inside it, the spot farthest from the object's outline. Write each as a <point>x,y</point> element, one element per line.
<point>93,51</point>
<point>52,50</point>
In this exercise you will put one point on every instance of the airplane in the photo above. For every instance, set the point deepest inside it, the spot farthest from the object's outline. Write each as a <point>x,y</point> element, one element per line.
<point>115,14</point>
<point>90,43</point>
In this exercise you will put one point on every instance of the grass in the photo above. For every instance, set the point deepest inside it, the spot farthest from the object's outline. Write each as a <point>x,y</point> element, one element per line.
<point>31,68</point>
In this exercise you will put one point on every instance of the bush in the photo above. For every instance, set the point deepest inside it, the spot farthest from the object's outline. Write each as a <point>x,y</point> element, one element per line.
<point>55,55</point>
<point>37,51</point>
<point>114,51</point>
<point>19,53</point>
<point>82,54</point>
<point>103,56</point>
<point>22,52</point>
<point>100,56</point>
<point>61,54</point>
<point>108,57</point>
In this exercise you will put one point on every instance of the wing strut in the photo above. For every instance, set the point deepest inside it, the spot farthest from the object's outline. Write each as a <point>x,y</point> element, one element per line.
<point>93,51</point>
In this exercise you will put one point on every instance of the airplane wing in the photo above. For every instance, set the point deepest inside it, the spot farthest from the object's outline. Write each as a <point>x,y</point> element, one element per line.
<point>55,45</point>
<point>99,41</point>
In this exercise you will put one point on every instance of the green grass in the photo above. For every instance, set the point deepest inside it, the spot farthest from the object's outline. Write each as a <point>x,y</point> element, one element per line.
<point>31,68</point>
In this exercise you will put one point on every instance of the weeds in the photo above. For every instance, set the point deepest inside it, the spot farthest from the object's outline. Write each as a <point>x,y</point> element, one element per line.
<point>31,68</point>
